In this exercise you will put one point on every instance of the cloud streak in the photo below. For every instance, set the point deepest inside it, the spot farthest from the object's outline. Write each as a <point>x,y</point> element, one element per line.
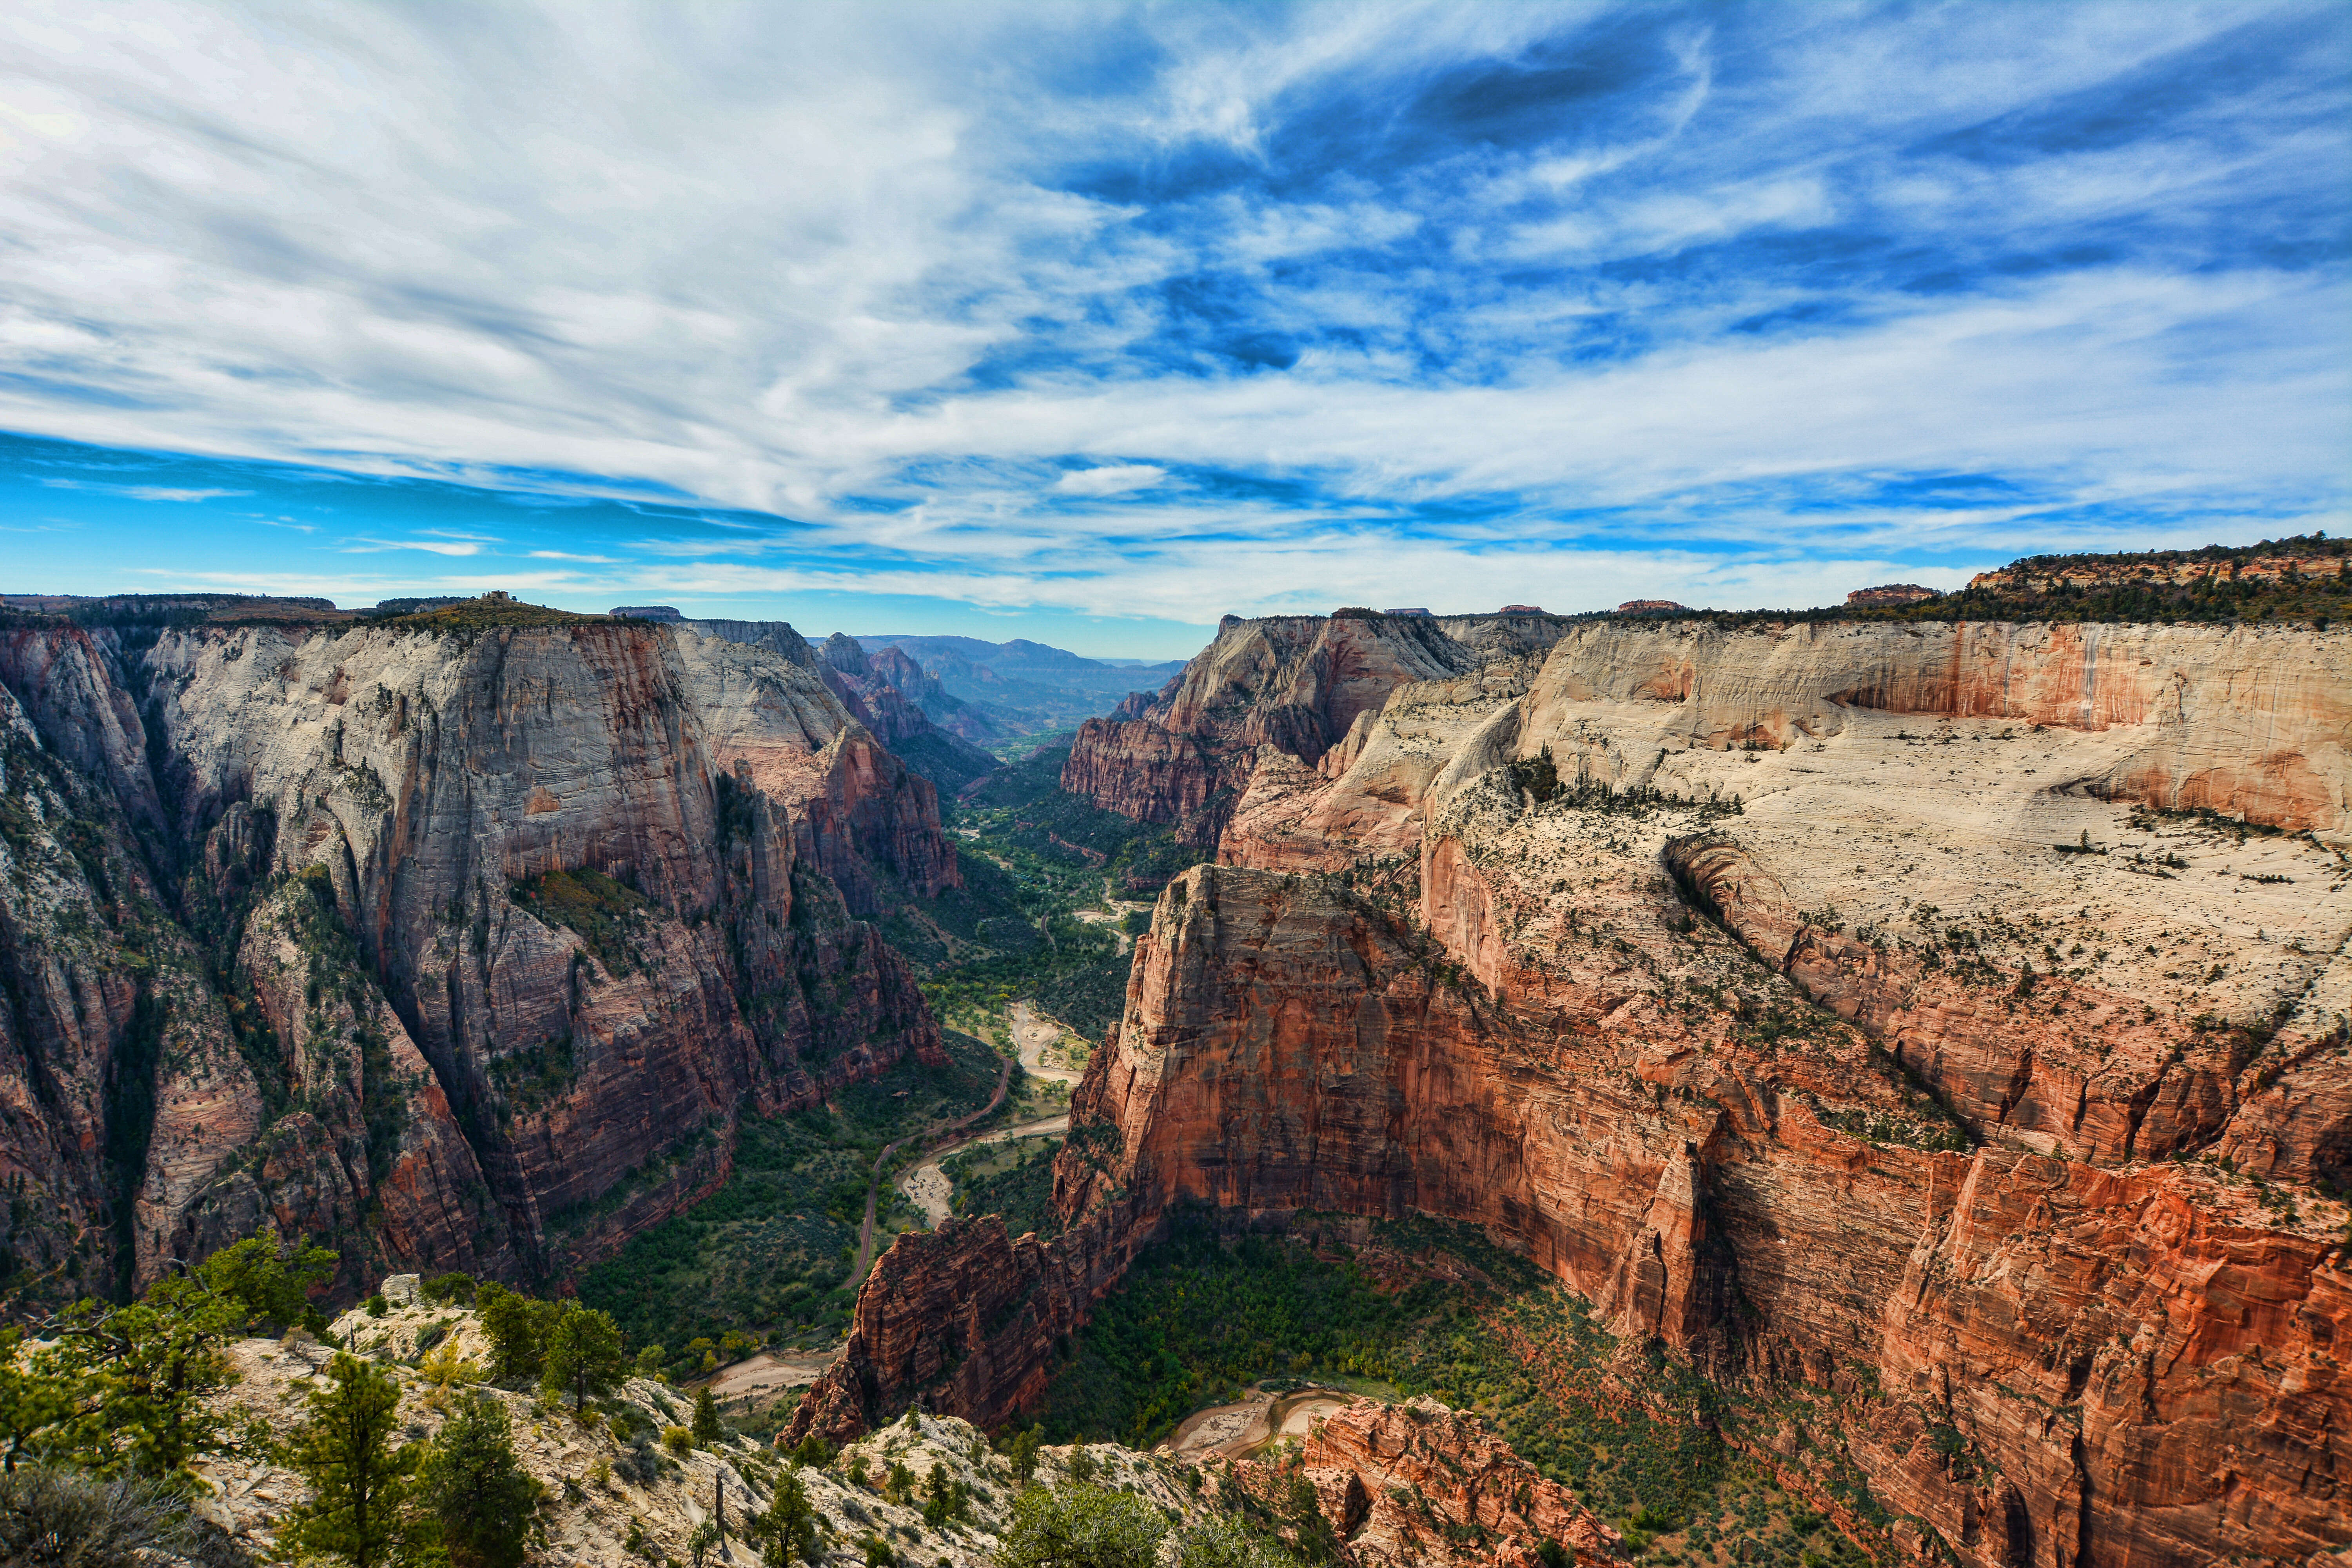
<point>1055,310</point>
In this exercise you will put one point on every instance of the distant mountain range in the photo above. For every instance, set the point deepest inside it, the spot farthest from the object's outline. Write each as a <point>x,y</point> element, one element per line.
<point>998,694</point>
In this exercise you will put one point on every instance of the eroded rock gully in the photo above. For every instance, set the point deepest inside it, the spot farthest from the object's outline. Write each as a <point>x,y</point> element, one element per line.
<point>1745,985</point>
<point>460,950</point>
<point>1417,1483</point>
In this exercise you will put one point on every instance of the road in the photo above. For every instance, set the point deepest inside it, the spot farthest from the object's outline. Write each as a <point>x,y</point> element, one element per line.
<point>874,1183</point>
<point>926,1185</point>
<point>1115,910</point>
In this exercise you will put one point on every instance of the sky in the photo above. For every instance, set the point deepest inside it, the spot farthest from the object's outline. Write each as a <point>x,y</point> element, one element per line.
<point>1091,322</point>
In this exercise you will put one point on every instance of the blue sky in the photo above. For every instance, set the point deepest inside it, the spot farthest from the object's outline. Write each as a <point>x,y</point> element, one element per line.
<point>1090,322</point>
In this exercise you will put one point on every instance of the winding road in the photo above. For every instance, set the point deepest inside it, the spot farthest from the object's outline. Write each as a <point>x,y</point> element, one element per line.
<point>926,1185</point>
<point>874,1183</point>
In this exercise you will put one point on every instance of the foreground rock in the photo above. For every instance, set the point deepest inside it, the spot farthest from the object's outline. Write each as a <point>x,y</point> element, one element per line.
<point>646,1488</point>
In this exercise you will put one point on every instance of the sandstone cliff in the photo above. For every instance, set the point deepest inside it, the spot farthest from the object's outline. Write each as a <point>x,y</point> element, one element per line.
<point>1417,1483</point>
<point>1933,1033</point>
<point>1295,683</point>
<point>457,947</point>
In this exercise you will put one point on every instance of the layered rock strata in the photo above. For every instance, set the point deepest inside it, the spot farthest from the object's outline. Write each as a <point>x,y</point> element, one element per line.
<point>460,949</point>
<point>1417,1483</point>
<point>1884,1019</point>
<point>886,693</point>
<point>1294,683</point>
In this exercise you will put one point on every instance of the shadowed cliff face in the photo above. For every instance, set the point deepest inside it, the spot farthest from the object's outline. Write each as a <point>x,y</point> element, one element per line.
<point>1740,979</point>
<point>462,951</point>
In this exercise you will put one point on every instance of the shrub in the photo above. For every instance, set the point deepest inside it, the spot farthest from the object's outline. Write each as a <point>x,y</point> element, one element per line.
<point>677,1440</point>
<point>55,1518</point>
<point>444,1289</point>
<point>1057,1526</point>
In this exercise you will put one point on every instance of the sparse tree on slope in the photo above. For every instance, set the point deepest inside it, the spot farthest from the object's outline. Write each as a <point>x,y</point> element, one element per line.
<point>707,1429</point>
<point>360,1483</point>
<point>1081,1526</point>
<point>583,1355</point>
<point>480,1499</point>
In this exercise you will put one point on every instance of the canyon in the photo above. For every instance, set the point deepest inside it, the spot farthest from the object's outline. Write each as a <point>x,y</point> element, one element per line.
<point>458,940</point>
<point>1928,1036</point>
<point>1932,1034</point>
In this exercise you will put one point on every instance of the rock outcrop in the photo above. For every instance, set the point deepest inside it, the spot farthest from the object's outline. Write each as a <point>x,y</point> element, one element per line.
<point>458,947</point>
<point>1417,1483</point>
<point>610,1484</point>
<point>886,693</point>
<point>1931,1032</point>
<point>1294,683</point>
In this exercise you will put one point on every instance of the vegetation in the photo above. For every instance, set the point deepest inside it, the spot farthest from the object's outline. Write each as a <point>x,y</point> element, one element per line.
<point>2316,594</point>
<point>787,1529</point>
<point>53,1517</point>
<point>1081,1526</point>
<point>1016,1180</point>
<point>494,609</point>
<point>1201,1317</point>
<point>768,1257</point>
<point>123,1390</point>
<point>360,1484</point>
<point>1032,857</point>
<point>1538,777</point>
<point>582,1356</point>
<point>607,915</point>
<point>517,1326</point>
<point>482,1506</point>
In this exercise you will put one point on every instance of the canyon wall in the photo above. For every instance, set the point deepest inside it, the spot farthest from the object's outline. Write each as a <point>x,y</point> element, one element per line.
<point>1295,683</point>
<point>1933,1033</point>
<point>457,947</point>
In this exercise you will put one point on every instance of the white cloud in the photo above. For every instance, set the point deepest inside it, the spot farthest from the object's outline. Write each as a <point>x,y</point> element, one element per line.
<point>375,546</point>
<point>142,492</point>
<point>1115,479</point>
<point>890,271</point>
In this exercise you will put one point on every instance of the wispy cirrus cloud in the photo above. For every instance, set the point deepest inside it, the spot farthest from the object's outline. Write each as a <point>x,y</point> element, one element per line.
<point>1185,309</point>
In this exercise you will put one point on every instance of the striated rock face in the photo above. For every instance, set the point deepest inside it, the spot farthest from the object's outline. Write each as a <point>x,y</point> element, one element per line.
<point>1287,1049</point>
<point>887,694</point>
<point>963,1320</point>
<point>437,940</point>
<point>2247,721</point>
<point>1294,683</point>
<point>1418,1483</point>
<point>1843,1008</point>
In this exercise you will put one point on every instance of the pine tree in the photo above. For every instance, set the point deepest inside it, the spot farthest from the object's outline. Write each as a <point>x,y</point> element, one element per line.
<point>481,1500</point>
<point>360,1483</point>
<point>789,1527</point>
<point>707,1429</point>
<point>518,1326</point>
<point>582,1355</point>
